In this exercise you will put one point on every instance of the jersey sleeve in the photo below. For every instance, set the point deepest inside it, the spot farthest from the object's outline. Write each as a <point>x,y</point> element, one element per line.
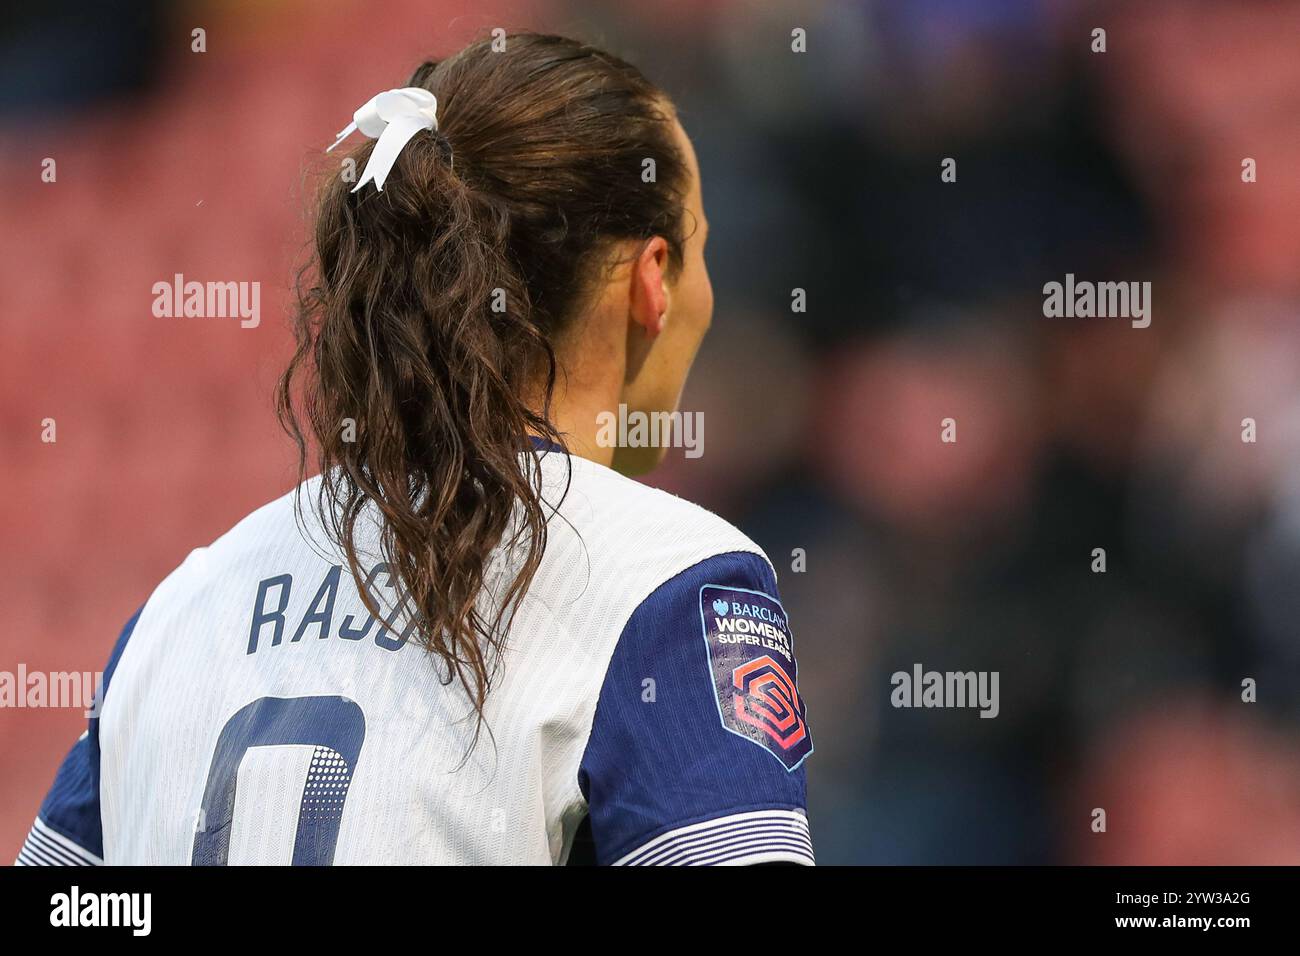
<point>68,830</point>
<point>697,747</point>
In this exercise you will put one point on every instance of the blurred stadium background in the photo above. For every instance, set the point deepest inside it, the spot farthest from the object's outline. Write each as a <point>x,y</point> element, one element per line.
<point>821,171</point>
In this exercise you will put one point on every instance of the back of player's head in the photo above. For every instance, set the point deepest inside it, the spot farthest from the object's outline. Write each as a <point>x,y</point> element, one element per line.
<point>428,318</point>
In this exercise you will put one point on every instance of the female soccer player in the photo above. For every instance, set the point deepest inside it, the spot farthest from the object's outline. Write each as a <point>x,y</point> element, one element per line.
<point>470,637</point>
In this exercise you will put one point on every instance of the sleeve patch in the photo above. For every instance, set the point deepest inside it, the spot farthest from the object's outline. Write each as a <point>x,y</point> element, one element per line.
<point>751,660</point>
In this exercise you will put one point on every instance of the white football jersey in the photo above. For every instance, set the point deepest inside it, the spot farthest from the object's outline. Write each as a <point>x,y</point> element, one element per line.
<point>254,712</point>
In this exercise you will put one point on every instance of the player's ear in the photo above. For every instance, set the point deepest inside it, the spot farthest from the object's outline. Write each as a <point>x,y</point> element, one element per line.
<point>649,294</point>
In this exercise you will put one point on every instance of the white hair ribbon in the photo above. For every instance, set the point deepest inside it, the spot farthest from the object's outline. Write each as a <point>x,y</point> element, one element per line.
<point>392,117</point>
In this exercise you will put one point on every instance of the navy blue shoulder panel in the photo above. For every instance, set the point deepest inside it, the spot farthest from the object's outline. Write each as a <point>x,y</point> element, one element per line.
<point>71,807</point>
<point>699,716</point>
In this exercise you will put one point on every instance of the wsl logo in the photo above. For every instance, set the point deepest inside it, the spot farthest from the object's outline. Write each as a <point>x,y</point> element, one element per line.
<point>766,698</point>
<point>751,659</point>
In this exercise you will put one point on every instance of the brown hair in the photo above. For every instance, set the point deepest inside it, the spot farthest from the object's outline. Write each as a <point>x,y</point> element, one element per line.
<point>536,166</point>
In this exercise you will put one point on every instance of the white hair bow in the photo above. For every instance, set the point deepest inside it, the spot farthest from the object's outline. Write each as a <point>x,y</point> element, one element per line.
<point>393,117</point>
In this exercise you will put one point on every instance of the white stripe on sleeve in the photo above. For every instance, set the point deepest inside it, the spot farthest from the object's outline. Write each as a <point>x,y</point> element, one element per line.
<point>739,839</point>
<point>44,847</point>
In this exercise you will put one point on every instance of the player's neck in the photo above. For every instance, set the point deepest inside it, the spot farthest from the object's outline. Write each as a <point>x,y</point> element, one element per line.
<point>577,424</point>
<point>576,412</point>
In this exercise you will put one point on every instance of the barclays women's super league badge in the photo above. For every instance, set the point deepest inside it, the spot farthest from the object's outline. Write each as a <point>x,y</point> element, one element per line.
<point>751,660</point>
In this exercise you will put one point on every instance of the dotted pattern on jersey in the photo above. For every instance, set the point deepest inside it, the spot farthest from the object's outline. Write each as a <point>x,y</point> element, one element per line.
<point>328,779</point>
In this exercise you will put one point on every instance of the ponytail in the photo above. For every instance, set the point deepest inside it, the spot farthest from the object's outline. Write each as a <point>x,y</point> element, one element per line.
<point>426,318</point>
